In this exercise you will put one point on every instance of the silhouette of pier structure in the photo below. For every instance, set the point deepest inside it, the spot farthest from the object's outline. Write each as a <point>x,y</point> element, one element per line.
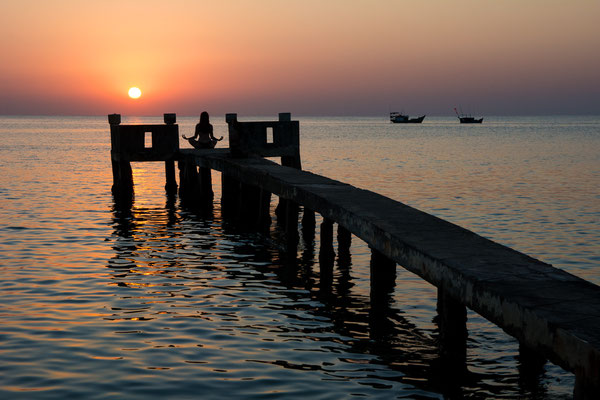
<point>554,315</point>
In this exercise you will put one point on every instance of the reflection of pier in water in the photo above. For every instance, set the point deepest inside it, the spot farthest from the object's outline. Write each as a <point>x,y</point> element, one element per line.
<point>527,298</point>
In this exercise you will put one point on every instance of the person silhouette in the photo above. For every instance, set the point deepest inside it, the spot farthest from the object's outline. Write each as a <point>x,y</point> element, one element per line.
<point>203,136</point>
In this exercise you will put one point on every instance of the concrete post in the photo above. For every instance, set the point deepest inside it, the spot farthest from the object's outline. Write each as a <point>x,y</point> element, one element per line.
<point>586,388</point>
<point>326,256</point>
<point>531,367</point>
<point>188,180</point>
<point>326,252</point>
<point>383,275</point>
<point>171,182</point>
<point>344,239</point>
<point>205,183</point>
<point>308,225</point>
<point>264,211</point>
<point>121,169</point>
<point>249,205</point>
<point>291,227</point>
<point>452,322</point>
<point>230,196</point>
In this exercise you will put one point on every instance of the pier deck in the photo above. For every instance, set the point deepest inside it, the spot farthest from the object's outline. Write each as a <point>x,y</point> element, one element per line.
<point>549,311</point>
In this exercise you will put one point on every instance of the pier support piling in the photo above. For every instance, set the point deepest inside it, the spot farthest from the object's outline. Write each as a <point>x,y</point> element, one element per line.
<point>308,225</point>
<point>205,183</point>
<point>586,388</point>
<point>452,323</point>
<point>264,211</point>
<point>326,238</point>
<point>230,196</point>
<point>122,177</point>
<point>326,252</point>
<point>383,275</point>
<point>292,212</point>
<point>171,182</point>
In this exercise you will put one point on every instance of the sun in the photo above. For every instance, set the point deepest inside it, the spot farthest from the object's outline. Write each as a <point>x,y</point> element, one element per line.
<point>134,92</point>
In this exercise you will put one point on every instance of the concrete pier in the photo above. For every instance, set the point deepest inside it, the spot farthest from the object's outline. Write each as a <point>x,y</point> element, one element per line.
<point>554,315</point>
<point>551,312</point>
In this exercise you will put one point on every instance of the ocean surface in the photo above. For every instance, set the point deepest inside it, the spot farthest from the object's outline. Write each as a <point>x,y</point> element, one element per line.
<point>164,301</point>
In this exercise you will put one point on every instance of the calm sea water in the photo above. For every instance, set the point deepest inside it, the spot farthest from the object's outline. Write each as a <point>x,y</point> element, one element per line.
<point>162,301</point>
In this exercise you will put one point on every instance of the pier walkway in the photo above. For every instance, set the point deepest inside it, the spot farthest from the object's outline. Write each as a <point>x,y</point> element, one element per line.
<point>553,314</point>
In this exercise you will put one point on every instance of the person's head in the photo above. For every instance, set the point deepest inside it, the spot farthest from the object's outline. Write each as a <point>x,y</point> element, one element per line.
<point>204,118</point>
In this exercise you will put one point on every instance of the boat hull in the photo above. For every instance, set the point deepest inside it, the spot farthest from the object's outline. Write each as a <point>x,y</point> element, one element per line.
<point>402,120</point>
<point>470,120</point>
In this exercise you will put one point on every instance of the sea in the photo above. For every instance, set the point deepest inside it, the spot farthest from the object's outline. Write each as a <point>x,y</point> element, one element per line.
<point>160,300</point>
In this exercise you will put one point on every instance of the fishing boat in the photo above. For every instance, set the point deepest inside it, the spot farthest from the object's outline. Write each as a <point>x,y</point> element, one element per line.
<point>467,119</point>
<point>399,118</point>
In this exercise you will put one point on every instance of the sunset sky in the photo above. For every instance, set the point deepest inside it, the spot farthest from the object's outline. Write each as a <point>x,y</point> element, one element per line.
<point>308,57</point>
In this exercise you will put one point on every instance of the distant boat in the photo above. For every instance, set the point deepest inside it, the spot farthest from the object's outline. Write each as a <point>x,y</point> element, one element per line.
<point>467,119</point>
<point>399,118</point>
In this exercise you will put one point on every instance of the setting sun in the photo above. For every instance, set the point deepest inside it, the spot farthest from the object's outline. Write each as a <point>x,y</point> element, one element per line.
<point>134,92</point>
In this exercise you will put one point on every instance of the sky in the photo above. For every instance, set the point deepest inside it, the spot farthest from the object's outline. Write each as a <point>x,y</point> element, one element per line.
<point>307,57</point>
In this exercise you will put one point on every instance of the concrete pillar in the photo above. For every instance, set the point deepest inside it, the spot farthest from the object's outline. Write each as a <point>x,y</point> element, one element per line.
<point>308,225</point>
<point>383,279</point>
<point>280,211</point>
<point>292,161</point>
<point>122,177</point>
<point>383,275</point>
<point>171,182</point>
<point>326,255</point>
<point>249,206</point>
<point>326,247</point>
<point>344,239</point>
<point>291,227</point>
<point>452,322</point>
<point>531,368</point>
<point>188,180</point>
<point>121,169</point>
<point>230,196</point>
<point>586,387</point>
<point>205,185</point>
<point>264,211</point>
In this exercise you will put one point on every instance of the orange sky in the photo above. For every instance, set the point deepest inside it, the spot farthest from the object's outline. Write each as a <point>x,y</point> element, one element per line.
<point>309,57</point>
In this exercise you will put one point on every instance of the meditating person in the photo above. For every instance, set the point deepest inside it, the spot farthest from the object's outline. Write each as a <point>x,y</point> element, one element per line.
<point>203,136</point>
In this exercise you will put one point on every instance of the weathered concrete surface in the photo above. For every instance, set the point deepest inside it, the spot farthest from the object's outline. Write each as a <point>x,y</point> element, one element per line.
<point>546,309</point>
